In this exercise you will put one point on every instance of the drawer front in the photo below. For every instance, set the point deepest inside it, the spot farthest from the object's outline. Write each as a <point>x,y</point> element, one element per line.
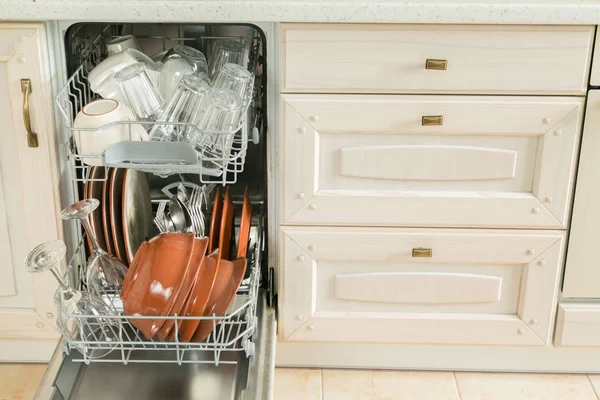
<point>428,160</point>
<point>436,59</point>
<point>419,285</point>
<point>578,324</point>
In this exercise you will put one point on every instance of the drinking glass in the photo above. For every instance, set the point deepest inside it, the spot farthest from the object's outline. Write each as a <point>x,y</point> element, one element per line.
<point>237,79</point>
<point>185,106</point>
<point>139,92</point>
<point>224,52</point>
<point>94,326</point>
<point>178,62</point>
<point>104,272</point>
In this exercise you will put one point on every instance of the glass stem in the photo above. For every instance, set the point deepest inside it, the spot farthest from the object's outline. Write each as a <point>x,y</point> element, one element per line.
<point>90,233</point>
<point>59,278</point>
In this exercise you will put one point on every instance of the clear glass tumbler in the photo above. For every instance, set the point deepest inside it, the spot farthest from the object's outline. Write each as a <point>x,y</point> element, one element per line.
<point>186,106</point>
<point>140,93</point>
<point>225,52</point>
<point>180,61</point>
<point>237,79</point>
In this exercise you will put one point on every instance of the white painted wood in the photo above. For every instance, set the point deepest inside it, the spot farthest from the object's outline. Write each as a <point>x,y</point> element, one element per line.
<point>428,163</point>
<point>418,287</point>
<point>578,324</point>
<point>391,58</point>
<point>595,74</point>
<point>367,160</point>
<point>582,275</point>
<point>29,187</point>
<point>306,289</point>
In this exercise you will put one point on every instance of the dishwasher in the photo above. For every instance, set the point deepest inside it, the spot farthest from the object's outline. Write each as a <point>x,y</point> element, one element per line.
<point>237,360</point>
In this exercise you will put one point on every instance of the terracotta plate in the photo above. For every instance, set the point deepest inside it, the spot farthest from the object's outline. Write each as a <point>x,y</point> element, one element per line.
<point>116,212</point>
<point>229,278</point>
<point>242,248</point>
<point>137,211</point>
<point>191,277</point>
<point>110,247</point>
<point>95,192</point>
<point>226,226</point>
<point>215,222</point>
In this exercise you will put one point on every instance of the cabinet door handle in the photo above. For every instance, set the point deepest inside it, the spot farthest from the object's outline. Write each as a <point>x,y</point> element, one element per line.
<point>432,120</point>
<point>432,63</point>
<point>32,137</point>
<point>421,252</point>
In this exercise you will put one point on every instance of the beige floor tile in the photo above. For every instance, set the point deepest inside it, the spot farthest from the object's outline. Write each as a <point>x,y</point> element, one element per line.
<point>20,381</point>
<point>595,379</point>
<point>297,384</point>
<point>490,386</point>
<point>388,385</point>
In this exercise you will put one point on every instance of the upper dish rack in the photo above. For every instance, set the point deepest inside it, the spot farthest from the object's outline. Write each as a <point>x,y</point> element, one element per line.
<point>76,93</point>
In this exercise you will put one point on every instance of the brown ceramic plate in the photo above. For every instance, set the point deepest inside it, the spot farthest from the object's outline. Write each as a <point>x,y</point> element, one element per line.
<point>110,247</point>
<point>199,296</point>
<point>116,212</point>
<point>152,285</point>
<point>229,278</point>
<point>246,220</point>
<point>215,222</point>
<point>137,214</point>
<point>191,276</point>
<point>95,192</point>
<point>226,227</point>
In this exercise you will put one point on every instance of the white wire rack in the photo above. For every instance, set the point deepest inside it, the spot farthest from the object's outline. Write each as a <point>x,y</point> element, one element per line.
<point>211,166</point>
<point>232,332</point>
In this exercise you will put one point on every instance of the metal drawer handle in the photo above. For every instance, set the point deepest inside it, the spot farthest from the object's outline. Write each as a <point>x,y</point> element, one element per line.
<point>421,252</point>
<point>32,137</point>
<point>440,65</point>
<point>431,120</point>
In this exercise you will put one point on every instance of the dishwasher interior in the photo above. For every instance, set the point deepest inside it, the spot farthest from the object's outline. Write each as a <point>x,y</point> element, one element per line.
<point>236,360</point>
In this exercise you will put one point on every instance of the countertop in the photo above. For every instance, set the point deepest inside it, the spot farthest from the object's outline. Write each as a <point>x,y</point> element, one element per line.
<point>583,12</point>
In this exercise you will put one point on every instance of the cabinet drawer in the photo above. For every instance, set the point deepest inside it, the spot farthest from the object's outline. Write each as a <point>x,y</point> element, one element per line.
<point>578,324</point>
<point>419,285</point>
<point>436,59</point>
<point>428,160</point>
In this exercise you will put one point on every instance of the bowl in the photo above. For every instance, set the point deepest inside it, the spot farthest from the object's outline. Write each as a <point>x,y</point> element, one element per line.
<point>154,280</point>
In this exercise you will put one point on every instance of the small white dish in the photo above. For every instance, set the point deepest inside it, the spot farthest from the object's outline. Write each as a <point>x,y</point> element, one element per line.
<point>121,44</point>
<point>97,115</point>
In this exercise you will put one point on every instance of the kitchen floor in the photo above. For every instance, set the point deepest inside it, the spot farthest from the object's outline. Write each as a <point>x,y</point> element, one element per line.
<point>20,381</point>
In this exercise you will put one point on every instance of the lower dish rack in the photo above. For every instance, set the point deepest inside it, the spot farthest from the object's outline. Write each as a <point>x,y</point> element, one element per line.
<point>231,333</point>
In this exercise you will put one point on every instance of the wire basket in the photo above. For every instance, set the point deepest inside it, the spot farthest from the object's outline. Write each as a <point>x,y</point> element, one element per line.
<point>212,166</point>
<point>232,332</point>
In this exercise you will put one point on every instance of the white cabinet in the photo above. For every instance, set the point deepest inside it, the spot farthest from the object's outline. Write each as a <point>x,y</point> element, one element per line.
<point>429,160</point>
<point>390,285</point>
<point>29,200</point>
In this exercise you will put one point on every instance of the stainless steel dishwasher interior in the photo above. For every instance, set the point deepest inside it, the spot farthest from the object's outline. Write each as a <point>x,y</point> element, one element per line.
<point>249,378</point>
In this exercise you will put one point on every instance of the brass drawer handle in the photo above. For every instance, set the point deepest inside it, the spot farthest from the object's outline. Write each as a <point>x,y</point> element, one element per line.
<point>431,120</point>
<point>421,252</point>
<point>440,65</point>
<point>32,137</point>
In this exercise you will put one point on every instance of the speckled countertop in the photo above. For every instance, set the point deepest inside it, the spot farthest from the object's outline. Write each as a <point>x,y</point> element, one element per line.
<point>407,11</point>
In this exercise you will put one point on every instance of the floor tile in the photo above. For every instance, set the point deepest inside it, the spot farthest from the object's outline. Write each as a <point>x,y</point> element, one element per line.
<point>595,379</point>
<point>297,384</point>
<point>20,381</point>
<point>497,386</point>
<point>388,385</point>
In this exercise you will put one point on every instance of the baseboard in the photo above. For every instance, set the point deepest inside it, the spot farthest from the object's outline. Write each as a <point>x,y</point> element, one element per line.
<point>439,357</point>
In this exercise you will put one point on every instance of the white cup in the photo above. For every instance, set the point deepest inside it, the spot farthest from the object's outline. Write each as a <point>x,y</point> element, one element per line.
<point>121,44</point>
<point>102,77</point>
<point>98,114</point>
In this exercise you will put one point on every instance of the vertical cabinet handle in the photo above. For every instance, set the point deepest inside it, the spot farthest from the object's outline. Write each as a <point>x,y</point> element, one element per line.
<point>32,137</point>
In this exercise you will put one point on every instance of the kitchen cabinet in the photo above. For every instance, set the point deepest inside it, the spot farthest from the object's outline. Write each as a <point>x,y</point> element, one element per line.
<point>29,193</point>
<point>422,286</point>
<point>578,324</point>
<point>486,161</point>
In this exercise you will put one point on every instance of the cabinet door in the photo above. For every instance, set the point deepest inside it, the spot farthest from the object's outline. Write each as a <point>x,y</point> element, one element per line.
<point>29,201</point>
<point>377,285</point>
<point>582,275</point>
<point>456,161</point>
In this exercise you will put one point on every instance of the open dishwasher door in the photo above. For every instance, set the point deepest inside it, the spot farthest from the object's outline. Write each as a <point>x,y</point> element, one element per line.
<point>237,377</point>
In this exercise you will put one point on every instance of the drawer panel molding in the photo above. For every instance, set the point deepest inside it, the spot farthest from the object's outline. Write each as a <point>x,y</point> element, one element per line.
<point>578,324</point>
<point>364,285</point>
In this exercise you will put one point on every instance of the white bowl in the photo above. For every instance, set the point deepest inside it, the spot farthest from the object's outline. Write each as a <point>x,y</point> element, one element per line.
<point>96,115</point>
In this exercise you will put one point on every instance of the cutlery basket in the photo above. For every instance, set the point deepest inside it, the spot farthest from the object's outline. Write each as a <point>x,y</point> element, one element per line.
<point>76,93</point>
